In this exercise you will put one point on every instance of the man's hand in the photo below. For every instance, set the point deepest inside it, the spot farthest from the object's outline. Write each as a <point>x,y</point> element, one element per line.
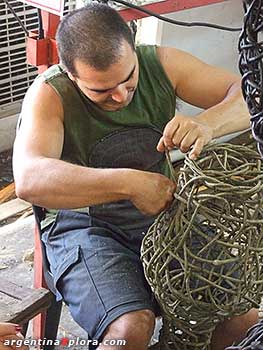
<point>150,192</point>
<point>8,332</point>
<point>184,132</point>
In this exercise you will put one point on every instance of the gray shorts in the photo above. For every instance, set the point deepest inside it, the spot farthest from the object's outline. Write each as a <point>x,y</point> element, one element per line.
<point>97,270</point>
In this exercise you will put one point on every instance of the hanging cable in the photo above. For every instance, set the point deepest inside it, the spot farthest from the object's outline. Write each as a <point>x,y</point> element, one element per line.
<point>133,26</point>
<point>16,16</point>
<point>179,23</point>
<point>40,25</point>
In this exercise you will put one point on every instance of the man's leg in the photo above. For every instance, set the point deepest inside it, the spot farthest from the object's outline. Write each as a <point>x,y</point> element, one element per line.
<point>101,280</point>
<point>135,327</point>
<point>233,330</point>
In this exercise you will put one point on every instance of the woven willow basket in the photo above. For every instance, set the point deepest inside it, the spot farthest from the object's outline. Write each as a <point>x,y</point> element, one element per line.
<point>203,256</point>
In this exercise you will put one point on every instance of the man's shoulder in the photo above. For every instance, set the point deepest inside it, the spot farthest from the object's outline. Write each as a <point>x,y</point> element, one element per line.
<point>147,56</point>
<point>53,72</point>
<point>146,50</point>
<point>57,80</point>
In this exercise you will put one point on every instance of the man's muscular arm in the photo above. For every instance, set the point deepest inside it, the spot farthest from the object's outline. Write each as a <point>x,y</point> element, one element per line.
<point>202,85</point>
<point>43,179</point>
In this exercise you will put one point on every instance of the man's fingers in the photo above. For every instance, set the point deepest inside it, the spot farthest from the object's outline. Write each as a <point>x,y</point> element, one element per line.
<point>170,129</point>
<point>186,141</point>
<point>17,341</point>
<point>8,328</point>
<point>4,347</point>
<point>161,146</point>
<point>184,133</point>
<point>197,149</point>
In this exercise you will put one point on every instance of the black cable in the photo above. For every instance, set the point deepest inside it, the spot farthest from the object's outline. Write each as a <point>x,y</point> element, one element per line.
<point>40,25</point>
<point>16,16</point>
<point>179,23</point>
<point>133,26</point>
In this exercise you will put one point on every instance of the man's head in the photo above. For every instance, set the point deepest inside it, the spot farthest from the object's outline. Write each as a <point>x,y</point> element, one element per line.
<point>96,47</point>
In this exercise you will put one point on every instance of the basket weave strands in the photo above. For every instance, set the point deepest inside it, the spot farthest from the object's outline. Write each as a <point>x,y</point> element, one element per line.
<point>203,257</point>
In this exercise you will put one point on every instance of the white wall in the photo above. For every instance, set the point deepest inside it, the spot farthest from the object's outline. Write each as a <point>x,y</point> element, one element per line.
<point>149,31</point>
<point>214,46</point>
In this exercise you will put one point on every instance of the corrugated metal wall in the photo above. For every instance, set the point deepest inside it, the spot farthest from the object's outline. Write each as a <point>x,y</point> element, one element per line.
<point>15,74</point>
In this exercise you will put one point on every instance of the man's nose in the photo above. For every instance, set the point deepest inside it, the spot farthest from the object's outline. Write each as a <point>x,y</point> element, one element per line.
<point>120,94</point>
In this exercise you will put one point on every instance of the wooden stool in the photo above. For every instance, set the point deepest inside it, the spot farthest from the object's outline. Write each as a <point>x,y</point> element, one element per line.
<point>19,304</point>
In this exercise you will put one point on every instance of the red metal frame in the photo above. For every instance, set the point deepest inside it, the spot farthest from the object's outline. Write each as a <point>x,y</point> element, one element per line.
<point>166,6</point>
<point>39,282</point>
<point>43,53</point>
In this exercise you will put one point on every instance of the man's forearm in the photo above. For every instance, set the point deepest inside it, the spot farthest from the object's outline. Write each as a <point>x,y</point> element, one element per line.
<point>228,116</point>
<point>53,183</point>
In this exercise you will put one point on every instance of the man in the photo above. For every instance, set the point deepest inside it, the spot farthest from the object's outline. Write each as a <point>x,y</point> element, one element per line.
<point>86,151</point>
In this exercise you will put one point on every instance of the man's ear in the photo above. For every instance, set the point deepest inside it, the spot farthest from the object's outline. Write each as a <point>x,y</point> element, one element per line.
<point>71,77</point>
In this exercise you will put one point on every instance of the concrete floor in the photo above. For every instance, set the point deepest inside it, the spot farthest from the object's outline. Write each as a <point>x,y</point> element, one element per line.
<point>16,247</point>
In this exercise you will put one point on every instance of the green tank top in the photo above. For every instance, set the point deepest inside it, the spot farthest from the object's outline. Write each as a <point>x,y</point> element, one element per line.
<point>90,133</point>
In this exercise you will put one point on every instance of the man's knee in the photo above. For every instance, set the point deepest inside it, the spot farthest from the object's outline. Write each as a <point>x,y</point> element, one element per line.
<point>135,327</point>
<point>239,325</point>
<point>233,330</point>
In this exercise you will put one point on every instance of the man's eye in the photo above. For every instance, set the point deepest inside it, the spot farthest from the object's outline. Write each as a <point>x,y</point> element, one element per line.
<point>100,92</point>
